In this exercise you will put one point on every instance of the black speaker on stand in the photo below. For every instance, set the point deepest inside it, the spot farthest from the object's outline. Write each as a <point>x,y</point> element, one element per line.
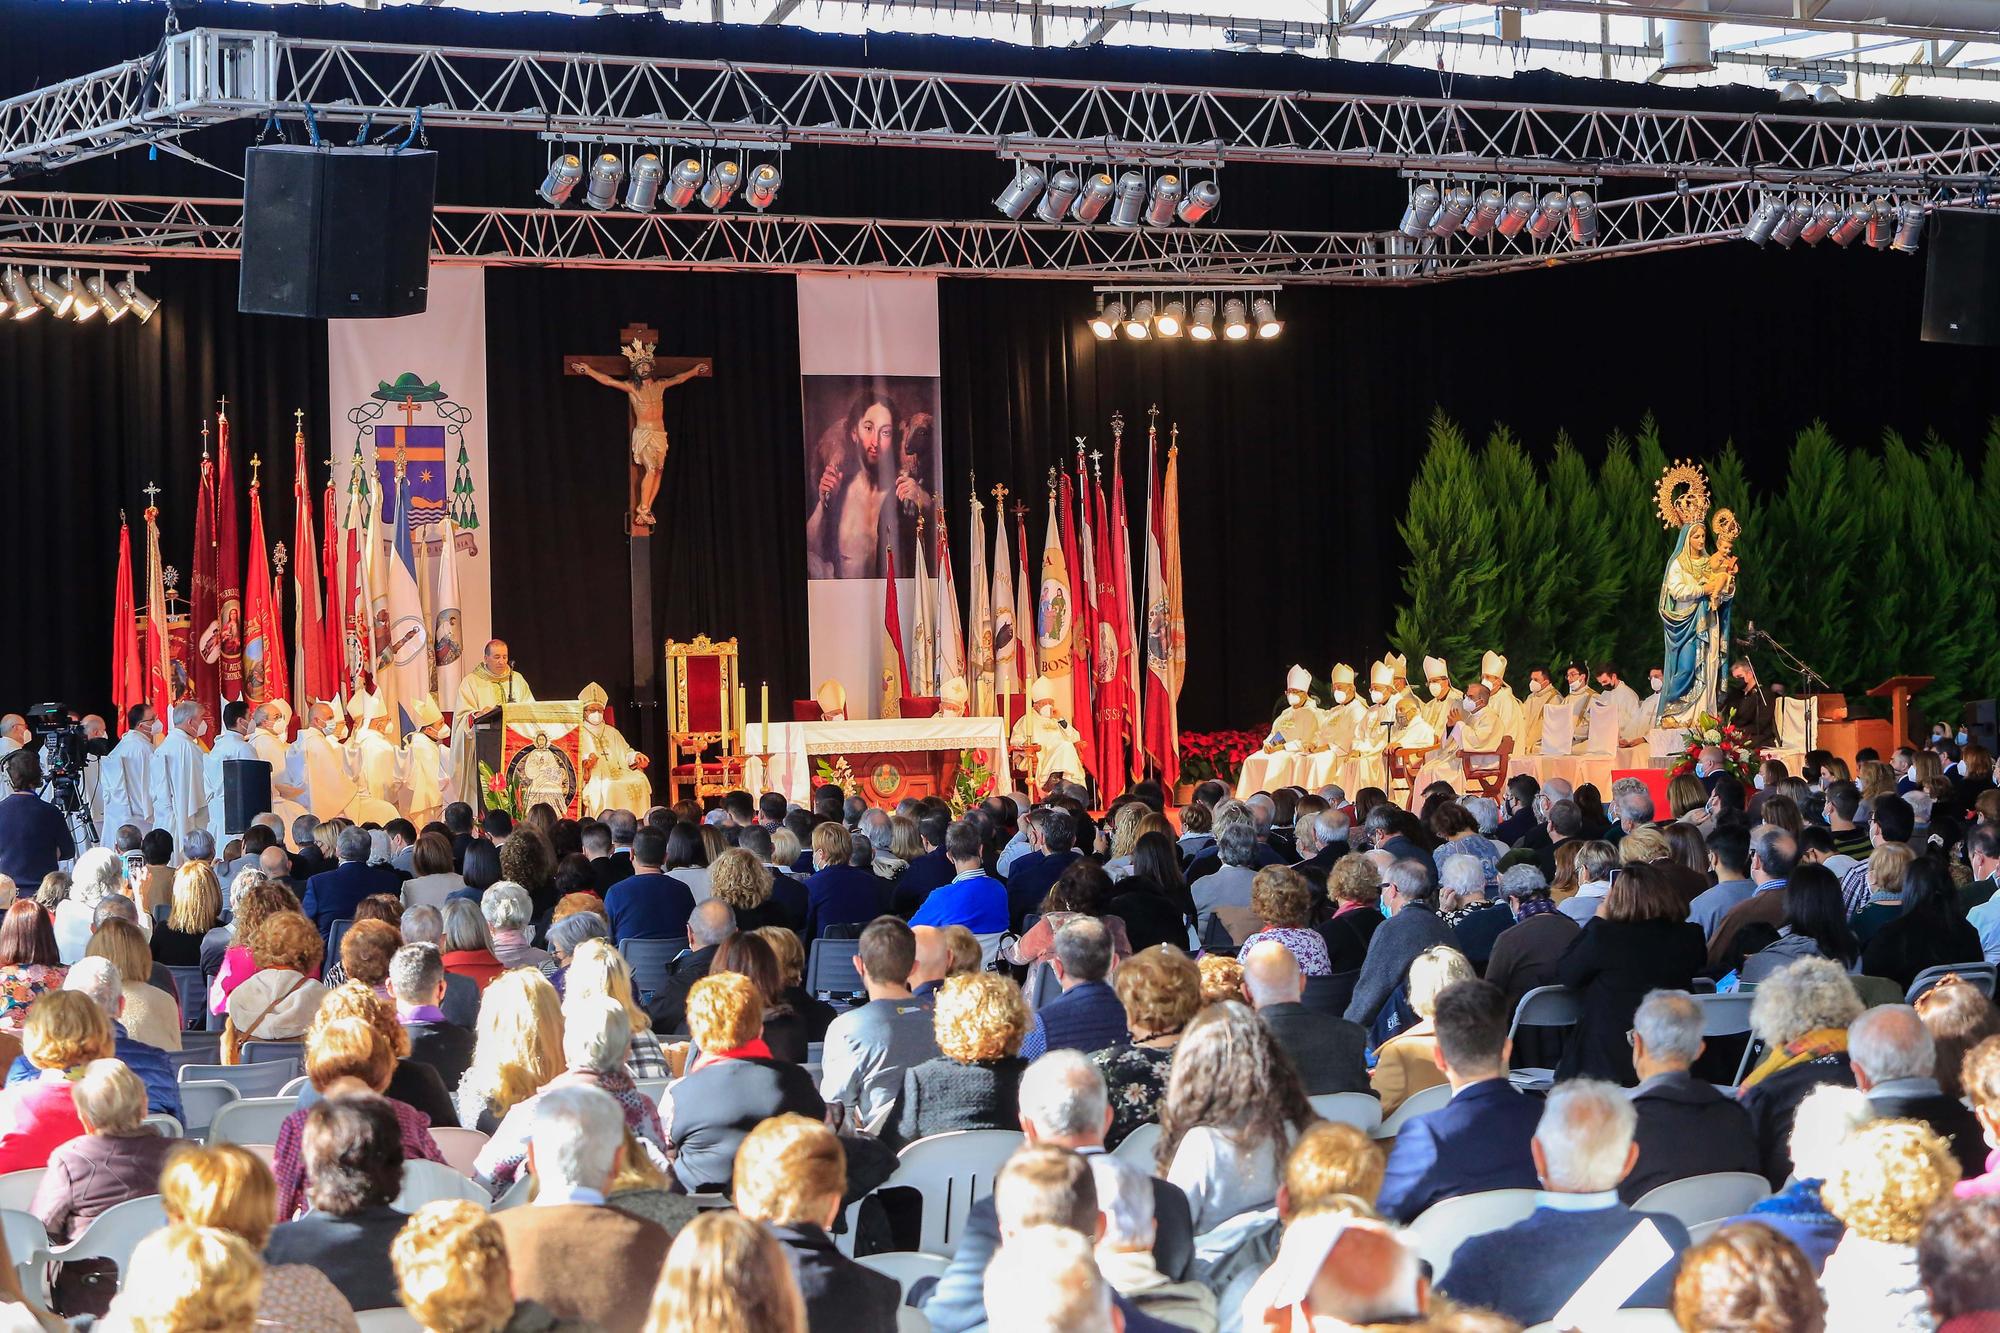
<point>1962,282</point>
<point>336,233</point>
<point>246,793</point>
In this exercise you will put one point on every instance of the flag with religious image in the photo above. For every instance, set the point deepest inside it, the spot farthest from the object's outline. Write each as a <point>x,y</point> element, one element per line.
<point>228,572</point>
<point>404,647</point>
<point>950,636</point>
<point>1025,635</point>
<point>205,662</point>
<point>1166,624</point>
<point>314,675</point>
<point>1006,662</point>
<point>979,629</point>
<point>259,616</point>
<point>159,646</point>
<point>1054,609</point>
<point>923,628</point>
<point>128,675</point>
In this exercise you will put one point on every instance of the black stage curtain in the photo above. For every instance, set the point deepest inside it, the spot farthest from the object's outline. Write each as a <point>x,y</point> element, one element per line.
<point>1296,454</point>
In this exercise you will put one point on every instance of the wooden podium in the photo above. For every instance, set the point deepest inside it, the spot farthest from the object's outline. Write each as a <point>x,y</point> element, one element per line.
<point>1897,690</point>
<point>1845,736</point>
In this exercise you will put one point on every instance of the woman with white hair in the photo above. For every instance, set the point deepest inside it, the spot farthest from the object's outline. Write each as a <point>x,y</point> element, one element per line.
<point>508,909</point>
<point>1826,1116</point>
<point>99,874</point>
<point>1800,1013</point>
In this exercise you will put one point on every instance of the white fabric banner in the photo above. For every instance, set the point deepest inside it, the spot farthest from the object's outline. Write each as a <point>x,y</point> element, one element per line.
<point>417,386</point>
<point>868,366</point>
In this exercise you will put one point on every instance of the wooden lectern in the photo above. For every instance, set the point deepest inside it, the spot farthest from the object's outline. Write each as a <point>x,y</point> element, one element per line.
<point>1897,690</point>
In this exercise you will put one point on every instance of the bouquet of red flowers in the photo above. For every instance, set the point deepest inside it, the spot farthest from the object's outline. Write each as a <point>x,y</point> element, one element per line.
<point>1738,755</point>
<point>1216,754</point>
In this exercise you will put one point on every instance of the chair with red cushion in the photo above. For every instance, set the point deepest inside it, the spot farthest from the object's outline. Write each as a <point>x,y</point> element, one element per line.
<point>704,736</point>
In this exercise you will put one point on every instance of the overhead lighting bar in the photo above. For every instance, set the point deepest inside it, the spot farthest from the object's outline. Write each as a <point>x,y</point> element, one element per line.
<point>25,293</point>
<point>1150,314</point>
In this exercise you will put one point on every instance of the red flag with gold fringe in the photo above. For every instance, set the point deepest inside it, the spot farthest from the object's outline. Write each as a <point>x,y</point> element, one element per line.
<point>159,670</point>
<point>128,674</point>
<point>895,668</point>
<point>204,653</point>
<point>228,574</point>
<point>314,678</point>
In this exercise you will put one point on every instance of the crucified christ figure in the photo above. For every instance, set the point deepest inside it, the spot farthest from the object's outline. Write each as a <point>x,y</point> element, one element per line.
<point>649,421</point>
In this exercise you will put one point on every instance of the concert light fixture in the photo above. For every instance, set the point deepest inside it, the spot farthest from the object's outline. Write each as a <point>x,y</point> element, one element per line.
<point>19,293</point>
<point>1420,212</point>
<point>1200,202</point>
<point>1452,212</point>
<point>1824,215</point>
<point>1265,314</point>
<point>83,306</point>
<point>137,302</point>
<point>642,195</point>
<point>1520,207</point>
<point>1139,324</point>
<point>1202,327</point>
<point>1582,218</point>
<point>607,173</point>
<point>1171,320</point>
<point>1851,224</point>
<point>1485,214</point>
<point>6,301</point>
<point>1167,192</point>
<point>1109,316</point>
<point>1064,188</point>
<point>107,298</point>
<point>683,182</point>
<point>1791,221</point>
<point>1909,228</point>
<point>1881,224</point>
<point>1096,196</point>
<point>762,191</point>
<point>1548,215</point>
<point>53,298</point>
<point>1763,222</point>
<point>1131,200</point>
<point>1021,192</point>
<point>720,187</point>
<point>1235,324</point>
<point>560,183</point>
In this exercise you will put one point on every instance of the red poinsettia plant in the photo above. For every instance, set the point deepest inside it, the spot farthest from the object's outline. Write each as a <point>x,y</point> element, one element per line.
<point>1738,755</point>
<point>1216,754</point>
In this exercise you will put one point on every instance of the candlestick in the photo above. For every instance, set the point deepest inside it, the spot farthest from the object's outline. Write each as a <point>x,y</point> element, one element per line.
<point>742,698</point>
<point>764,746</point>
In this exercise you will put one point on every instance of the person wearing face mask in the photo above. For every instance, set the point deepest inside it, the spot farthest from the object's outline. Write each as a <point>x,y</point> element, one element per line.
<point>612,776</point>
<point>1441,702</point>
<point>268,726</point>
<point>1749,705</point>
<point>1566,721</point>
<point>1633,721</point>
<point>371,761</point>
<point>423,773</point>
<point>127,787</point>
<point>1052,736</point>
<point>179,780</point>
<point>233,743</point>
<point>1534,710</point>
<point>1500,700</point>
<point>1651,703</point>
<point>1474,741</point>
<point>1282,756</point>
<point>1399,677</point>
<point>1366,766</point>
<point>328,787</point>
<point>1333,743</point>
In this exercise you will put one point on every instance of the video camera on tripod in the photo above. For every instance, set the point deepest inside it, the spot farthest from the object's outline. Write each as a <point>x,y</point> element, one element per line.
<point>65,749</point>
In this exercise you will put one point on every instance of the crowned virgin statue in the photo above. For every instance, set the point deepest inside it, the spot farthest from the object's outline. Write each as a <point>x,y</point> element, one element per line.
<point>1695,597</point>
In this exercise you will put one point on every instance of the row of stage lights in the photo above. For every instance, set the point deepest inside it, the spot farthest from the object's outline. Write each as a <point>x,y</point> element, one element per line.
<point>1445,211</point>
<point>1884,223</point>
<point>1166,316</point>
<point>652,183</point>
<point>66,297</point>
<point>1069,196</point>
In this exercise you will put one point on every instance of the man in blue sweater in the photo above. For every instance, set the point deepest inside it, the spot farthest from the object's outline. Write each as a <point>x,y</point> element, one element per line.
<point>1087,1015</point>
<point>971,898</point>
<point>1583,1148</point>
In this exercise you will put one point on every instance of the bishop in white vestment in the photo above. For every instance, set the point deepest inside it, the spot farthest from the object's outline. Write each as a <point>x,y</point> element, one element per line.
<point>1367,766</point>
<point>233,743</point>
<point>323,762</point>
<point>1338,727</point>
<point>1477,732</point>
<point>1442,705</point>
<point>1054,738</point>
<point>422,777</point>
<point>371,761</point>
<point>1500,700</point>
<point>127,786</point>
<point>1279,762</point>
<point>288,783</point>
<point>612,779</point>
<point>487,686</point>
<point>179,779</point>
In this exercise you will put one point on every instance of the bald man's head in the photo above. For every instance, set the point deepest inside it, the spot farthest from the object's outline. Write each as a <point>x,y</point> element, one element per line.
<point>274,862</point>
<point>1369,1277</point>
<point>933,956</point>
<point>1271,975</point>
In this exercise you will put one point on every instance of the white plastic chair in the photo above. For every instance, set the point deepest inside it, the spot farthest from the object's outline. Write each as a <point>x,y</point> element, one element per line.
<point>116,1232</point>
<point>909,1319</point>
<point>655,1088</point>
<point>1441,1228</point>
<point>201,1099</point>
<point>1701,1231</point>
<point>907,1267</point>
<point>165,1125</point>
<point>1421,1102</point>
<point>950,1171</point>
<point>17,1188</point>
<point>295,1087</point>
<point>1137,1147</point>
<point>1359,1109</point>
<point>459,1146</point>
<point>1543,1007</point>
<point>251,1120</point>
<point>515,1194</point>
<point>266,1079</point>
<point>427,1182</point>
<point>28,1243</point>
<point>1705,1198</point>
<point>394,1319</point>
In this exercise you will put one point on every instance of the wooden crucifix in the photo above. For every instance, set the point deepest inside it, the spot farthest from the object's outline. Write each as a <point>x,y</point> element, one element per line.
<point>644,378</point>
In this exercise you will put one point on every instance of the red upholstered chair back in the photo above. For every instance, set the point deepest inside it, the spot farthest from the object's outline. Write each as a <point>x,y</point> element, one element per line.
<point>807,710</point>
<point>920,705</point>
<point>705,707</point>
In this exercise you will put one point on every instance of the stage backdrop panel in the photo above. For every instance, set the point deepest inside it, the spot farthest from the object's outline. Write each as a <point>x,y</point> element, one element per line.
<point>433,364</point>
<point>868,370</point>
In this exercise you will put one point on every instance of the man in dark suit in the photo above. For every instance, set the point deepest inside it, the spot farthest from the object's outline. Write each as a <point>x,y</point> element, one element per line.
<point>1750,705</point>
<point>1087,1015</point>
<point>1052,835</point>
<point>648,904</point>
<point>932,870</point>
<point>607,864</point>
<point>1410,901</point>
<point>1480,1139</point>
<point>1893,1059</point>
<point>1063,1105</point>
<point>308,860</point>
<point>1518,810</point>
<point>457,822</point>
<point>417,979</point>
<point>332,895</point>
<point>709,926</point>
<point>1686,1128</point>
<point>1328,1051</point>
<point>790,1175</point>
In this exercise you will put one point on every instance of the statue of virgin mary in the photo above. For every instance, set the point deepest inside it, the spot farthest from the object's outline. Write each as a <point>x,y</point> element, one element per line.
<point>1696,594</point>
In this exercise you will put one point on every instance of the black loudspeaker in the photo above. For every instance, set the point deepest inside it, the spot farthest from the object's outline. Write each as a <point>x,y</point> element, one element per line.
<point>1962,284</point>
<point>246,792</point>
<point>336,233</point>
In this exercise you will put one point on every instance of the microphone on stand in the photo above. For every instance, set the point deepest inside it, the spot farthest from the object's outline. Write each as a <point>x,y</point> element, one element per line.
<point>1749,637</point>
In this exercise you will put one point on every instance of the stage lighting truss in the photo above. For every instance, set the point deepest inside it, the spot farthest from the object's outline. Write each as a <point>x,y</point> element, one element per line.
<point>713,175</point>
<point>1879,221</point>
<point>1482,213</point>
<point>27,289</point>
<point>1129,195</point>
<point>1203,315</point>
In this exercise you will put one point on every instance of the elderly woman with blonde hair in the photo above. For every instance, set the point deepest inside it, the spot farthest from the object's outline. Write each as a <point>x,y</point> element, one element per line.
<point>975,1080</point>
<point>726,1274</point>
<point>278,1001</point>
<point>197,1278</point>
<point>1891,1173</point>
<point>738,878</point>
<point>452,1269</point>
<point>518,1047</point>
<point>1800,1013</point>
<point>598,969</point>
<point>732,1087</point>
<point>151,1016</point>
<point>1160,991</point>
<point>346,1055</point>
<point>66,1030</point>
<point>1407,1062</point>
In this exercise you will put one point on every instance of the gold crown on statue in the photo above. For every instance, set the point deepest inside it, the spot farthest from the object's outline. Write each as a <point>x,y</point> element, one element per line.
<point>638,354</point>
<point>1683,495</point>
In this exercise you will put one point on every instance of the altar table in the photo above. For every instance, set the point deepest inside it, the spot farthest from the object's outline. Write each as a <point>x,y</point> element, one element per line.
<point>889,757</point>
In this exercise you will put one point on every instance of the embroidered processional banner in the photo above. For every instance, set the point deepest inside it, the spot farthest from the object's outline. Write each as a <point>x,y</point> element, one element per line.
<point>540,754</point>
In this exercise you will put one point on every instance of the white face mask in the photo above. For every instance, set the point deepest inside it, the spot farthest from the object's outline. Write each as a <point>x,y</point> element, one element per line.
<point>1437,689</point>
<point>1493,684</point>
<point>201,728</point>
<point>1759,780</point>
<point>1375,696</point>
<point>1471,707</point>
<point>1576,687</point>
<point>594,718</point>
<point>1341,695</point>
<point>329,726</point>
<point>1654,681</point>
<point>152,728</point>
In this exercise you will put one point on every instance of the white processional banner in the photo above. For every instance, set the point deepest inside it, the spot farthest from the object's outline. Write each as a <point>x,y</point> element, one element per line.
<point>868,366</point>
<point>416,388</point>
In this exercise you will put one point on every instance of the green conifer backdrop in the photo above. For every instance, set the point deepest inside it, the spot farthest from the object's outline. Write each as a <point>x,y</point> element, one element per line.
<point>1866,563</point>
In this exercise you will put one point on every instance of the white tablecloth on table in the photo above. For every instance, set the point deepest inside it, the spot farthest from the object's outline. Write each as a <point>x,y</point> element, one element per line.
<point>794,746</point>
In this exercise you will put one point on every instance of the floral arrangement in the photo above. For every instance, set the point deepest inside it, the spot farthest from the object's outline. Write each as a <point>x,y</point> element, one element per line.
<point>500,794</point>
<point>974,782</point>
<point>1738,755</point>
<point>1217,754</point>
<point>836,773</point>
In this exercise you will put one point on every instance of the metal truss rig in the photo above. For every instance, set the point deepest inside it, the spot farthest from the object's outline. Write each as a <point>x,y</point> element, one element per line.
<point>72,229</point>
<point>210,76</point>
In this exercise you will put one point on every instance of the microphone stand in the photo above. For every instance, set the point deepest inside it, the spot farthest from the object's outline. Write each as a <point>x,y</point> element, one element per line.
<point>1806,674</point>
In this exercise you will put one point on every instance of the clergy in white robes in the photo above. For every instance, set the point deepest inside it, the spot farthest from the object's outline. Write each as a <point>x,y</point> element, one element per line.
<point>612,776</point>
<point>1651,703</point>
<point>1632,719</point>
<point>831,696</point>
<point>1441,705</point>
<point>1500,700</point>
<point>487,686</point>
<point>423,776</point>
<point>323,764</point>
<point>1542,693</point>
<point>14,734</point>
<point>1278,763</point>
<point>371,761</point>
<point>127,786</point>
<point>1477,732</point>
<point>1366,765</point>
<point>267,737</point>
<point>1338,726</point>
<point>179,778</point>
<point>1566,726</point>
<point>232,743</point>
<point>1054,738</point>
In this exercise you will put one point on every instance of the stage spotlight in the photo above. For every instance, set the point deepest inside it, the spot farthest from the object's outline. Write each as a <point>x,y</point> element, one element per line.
<point>1794,92</point>
<point>1131,201</point>
<point>1064,188</point>
<point>1200,202</point>
<point>6,301</point>
<point>1485,214</point>
<point>1202,327</point>
<point>607,173</point>
<point>1021,192</point>
<point>1582,218</point>
<point>1139,324</point>
<point>1909,228</point>
<point>1763,222</point>
<point>141,305</point>
<point>1167,191</point>
<point>1235,324</point>
<point>1265,315</point>
<point>1827,95</point>
<point>1109,317</point>
<point>1548,215</point>
<point>643,194</point>
<point>1881,224</point>
<point>682,183</point>
<point>1792,219</point>
<point>18,292</point>
<point>51,294</point>
<point>1824,216</point>
<point>1452,212</point>
<point>1097,192</point>
<point>560,183</point>
<point>1852,223</point>
<point>1421,211</point>
<point>720,187</point>
<point>762,191</point>
<point>1520,206</point>
<point>82,304</point>
<point>107,298</point>
<point>1171,320</point>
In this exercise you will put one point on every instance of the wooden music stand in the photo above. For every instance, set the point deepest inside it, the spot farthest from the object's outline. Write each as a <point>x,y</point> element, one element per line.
<point>1897,690</point>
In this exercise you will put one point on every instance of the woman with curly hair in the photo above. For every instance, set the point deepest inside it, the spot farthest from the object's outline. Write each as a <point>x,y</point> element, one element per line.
<point>741,880</point>
<point>453,1275</point>
<point>256,899</point>
<point>1800,1013</point>
<point>975,1080</point>
<point>1282,899</point>
<point>346,1055</point>
<point>732,1088</point>
<point>1355,886</point>
<point>1160,989</point>
<point>1959,1016</point>
<point>1891,1173</point>
<point>208,1279</point>
<point>1221,979</point>
<point>66,1031</point>
<point>413,1082</point>
<point>1747,1276</point>
<point>1234,1104</point>
<point>726,1274</point>
<point>278,1002</point>
<point>528,859</point>
<point>518,1048</point>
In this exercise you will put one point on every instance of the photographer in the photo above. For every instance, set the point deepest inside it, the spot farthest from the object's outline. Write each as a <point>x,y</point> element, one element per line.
<point>34,836</point>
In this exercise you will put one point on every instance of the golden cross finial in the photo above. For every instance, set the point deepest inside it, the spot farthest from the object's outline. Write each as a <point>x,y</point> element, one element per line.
<point>1153,413</point>
<point>1174,439</point>
<point>255,463</point>
<point>1052,479</point>
<point>920,526</point>
<point>152,492</point>
<point>279,557</point>
<point>973,478</point>
<point>299,420</point>
<point>1000,497</point>
<point>1117,425</point>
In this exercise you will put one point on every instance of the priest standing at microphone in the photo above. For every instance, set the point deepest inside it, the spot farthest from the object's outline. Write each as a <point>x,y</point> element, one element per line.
<point>489,685</point>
